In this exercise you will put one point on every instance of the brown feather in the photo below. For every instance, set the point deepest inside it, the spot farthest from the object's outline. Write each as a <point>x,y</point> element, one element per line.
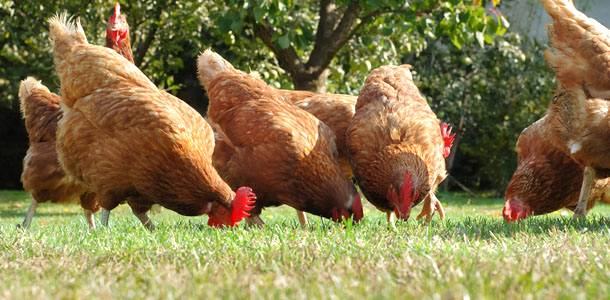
<point>124,138</point>
<point>284,153</point>
<point>335,110</point>
<point>580,49</point>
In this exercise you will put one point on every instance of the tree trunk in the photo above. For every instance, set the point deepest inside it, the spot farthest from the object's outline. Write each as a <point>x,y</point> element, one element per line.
<point>306,82</point>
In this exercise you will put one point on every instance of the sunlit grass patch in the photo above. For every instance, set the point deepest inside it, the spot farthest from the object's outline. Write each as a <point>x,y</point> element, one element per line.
<point>473,252</point>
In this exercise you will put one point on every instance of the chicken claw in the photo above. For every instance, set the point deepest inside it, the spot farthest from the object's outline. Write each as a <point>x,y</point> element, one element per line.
<point>431,205</point>
<point>105,217</point>
<point>89,218</point>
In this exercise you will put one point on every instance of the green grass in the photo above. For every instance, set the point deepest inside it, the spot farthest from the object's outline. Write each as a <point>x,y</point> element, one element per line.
<point>472,253</point>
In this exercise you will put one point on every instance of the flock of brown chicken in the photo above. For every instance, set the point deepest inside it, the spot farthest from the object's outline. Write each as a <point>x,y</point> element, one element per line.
<point>113,137</point>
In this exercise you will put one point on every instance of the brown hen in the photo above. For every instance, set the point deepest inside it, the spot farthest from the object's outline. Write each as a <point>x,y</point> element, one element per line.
<point>397,145</point>
<point>577,122</point>
<point>124,138</point>
<point>286,154</point>
<point>546,179</point>
<point>334,110</point>
<point>42,175</point>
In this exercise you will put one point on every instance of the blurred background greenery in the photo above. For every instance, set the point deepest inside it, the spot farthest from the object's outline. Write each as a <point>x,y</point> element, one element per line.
<point>478,73</point>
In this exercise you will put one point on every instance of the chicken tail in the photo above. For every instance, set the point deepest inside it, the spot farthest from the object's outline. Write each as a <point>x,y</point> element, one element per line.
<point>580,49</point>
<point>26,88</point>
<point>40,110</point>
<point>209,65</point>
<point>65,32</point>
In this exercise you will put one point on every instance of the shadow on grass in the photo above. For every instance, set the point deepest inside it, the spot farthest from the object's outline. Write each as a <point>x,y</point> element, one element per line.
<point>487,228</point>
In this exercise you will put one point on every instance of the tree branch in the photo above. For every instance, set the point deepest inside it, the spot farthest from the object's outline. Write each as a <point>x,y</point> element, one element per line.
<point>150,37</point>
<point>330,38</point>
<point>287,58</point>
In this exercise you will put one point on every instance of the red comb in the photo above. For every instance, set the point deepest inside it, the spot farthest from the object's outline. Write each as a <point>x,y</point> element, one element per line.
<point>515,211</point>
<point>242,203</point>
<point>407,184</point>
<point>404,203</point>
<point>406,195</point>
<point>117,9</point>
<point>448,138</point>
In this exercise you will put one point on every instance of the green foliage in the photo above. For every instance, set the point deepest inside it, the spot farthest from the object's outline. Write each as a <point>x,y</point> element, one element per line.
<point>493,93</point>
<point>387,30</point>
<point>163,34</point>
<point>496,85</point>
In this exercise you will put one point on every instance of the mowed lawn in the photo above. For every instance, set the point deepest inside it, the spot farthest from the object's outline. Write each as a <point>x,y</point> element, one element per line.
<point>473,253</point>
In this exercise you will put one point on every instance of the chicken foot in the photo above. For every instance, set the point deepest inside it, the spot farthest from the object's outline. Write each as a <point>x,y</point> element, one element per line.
<point>302,218</point>
<point>29,215</point>
<point>585,192</point>
<point>431,205</point>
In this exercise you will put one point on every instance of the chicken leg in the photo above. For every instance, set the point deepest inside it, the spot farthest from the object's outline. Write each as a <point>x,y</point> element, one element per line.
<point>391,219</point>
<point>140,207</point>
<point>585,192</point>
<point>29,215</point>
<point>143,217</point>
<point>302,218</point>
<point>89,218</point>
<point>105,215</point>
<point>431,205</point>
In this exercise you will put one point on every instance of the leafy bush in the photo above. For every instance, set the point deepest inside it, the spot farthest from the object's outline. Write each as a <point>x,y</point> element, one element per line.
<point>490,94</point>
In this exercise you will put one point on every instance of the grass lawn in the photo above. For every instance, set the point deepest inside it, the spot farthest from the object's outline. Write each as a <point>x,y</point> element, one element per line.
<point>473,253</point>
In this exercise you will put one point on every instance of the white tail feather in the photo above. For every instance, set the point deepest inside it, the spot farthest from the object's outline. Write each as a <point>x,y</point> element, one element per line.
<point>25,90</point>
<point>209,65</point>
<point>65,28</point>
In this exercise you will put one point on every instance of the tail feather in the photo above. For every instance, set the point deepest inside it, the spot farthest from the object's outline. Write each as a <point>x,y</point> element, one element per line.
<point>580,49</point>
<point>209,65</point>
<point>26,88</point>
<point>65,31</point>
<point>40,109</point>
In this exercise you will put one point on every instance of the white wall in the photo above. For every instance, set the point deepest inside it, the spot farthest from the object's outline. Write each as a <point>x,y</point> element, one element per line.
<point>528,16</point>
